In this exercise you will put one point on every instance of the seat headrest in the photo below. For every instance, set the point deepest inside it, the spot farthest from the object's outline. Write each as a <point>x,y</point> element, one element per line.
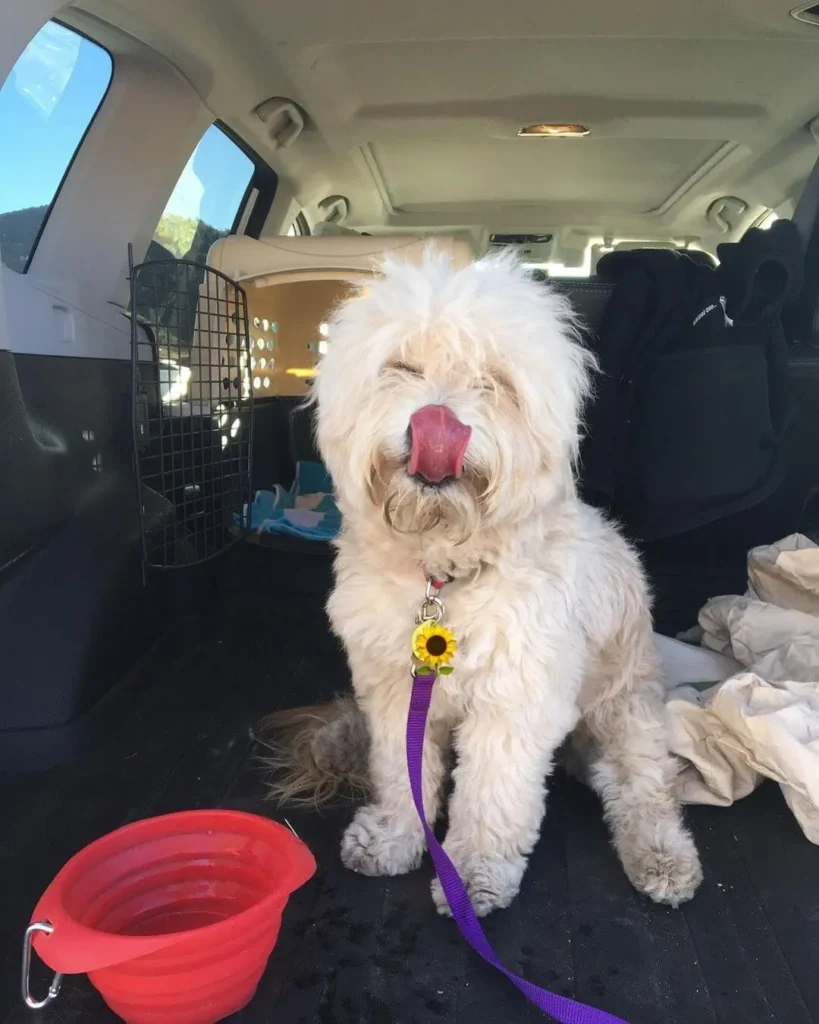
<point>241,258</point>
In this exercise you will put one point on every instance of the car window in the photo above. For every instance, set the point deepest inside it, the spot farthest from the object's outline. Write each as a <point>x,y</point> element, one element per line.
<point>221,190</point>
<point>47,104</point>
<point>207,200</point>
<point>299,226</point>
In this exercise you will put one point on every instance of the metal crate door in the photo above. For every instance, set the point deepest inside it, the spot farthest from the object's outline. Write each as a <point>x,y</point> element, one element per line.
<point>192,410</point>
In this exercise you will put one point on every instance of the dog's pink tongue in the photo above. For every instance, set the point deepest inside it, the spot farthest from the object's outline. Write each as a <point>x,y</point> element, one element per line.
<point>438,444</point>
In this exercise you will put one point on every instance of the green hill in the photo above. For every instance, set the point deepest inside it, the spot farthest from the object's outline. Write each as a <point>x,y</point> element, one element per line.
<point>186,237</point>
<point>182,237</point>
<point>18,233</point>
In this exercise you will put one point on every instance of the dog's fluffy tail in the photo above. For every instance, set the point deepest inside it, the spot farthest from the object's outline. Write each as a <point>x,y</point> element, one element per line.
<point>318,753</point>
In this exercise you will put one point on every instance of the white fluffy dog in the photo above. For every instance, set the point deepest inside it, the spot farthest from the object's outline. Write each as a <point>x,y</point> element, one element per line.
<point>448,416</point>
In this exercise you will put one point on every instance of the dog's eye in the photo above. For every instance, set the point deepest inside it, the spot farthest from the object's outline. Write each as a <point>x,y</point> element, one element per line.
<point>399,367</point>
<point>497,383</point>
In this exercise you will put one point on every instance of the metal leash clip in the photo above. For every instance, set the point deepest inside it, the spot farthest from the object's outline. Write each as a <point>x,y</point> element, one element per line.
<point>432,610</point>
<point>54,988</point>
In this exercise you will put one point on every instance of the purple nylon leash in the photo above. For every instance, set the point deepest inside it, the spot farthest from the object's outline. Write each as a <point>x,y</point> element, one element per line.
<point>562,1009</point>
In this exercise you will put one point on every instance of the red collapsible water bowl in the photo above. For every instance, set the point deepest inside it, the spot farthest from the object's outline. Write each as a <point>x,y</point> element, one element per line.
<point>174,918</point>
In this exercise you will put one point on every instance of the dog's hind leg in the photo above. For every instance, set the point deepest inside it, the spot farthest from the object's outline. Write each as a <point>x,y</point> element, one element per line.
<point>624,742</point>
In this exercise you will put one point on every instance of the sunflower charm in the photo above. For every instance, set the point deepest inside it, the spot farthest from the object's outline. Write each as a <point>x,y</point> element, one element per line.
<point>434,646</point>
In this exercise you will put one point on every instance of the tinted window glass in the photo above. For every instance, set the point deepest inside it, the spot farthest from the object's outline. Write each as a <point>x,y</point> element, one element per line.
<point>206,200</point>
<point>46,105</point>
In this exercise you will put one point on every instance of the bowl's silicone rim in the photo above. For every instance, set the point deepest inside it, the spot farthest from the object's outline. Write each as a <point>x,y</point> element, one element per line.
<point>73,948</point>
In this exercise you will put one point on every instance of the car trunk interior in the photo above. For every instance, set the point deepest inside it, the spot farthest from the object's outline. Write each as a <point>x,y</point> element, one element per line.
<point>248,636</point>
<point>129,690</point>
<point>185,734</point>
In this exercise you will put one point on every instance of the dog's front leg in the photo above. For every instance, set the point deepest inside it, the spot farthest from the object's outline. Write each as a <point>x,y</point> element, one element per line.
<point>386,836</point>
<point>504,756</point>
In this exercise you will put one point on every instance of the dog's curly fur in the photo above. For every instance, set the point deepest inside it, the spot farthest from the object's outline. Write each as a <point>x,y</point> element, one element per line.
<point>548,601</point>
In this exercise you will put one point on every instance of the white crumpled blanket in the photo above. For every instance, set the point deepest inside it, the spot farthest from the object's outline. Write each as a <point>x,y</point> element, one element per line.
<point>762,721</point>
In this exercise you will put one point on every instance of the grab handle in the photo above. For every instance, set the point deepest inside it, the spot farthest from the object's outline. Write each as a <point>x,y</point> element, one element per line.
<point>54,988</point>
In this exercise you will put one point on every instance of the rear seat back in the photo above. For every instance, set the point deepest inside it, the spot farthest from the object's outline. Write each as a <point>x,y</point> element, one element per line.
<point>728,539</point>
<point>589,298</point>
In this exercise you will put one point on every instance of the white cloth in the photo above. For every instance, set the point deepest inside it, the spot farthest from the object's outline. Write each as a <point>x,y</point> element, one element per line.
<point>687,663</point>
<point>763,720</point>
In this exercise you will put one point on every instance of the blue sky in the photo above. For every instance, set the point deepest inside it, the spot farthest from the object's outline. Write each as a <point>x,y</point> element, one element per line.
<point>214,181</point>
<point>46,105</point>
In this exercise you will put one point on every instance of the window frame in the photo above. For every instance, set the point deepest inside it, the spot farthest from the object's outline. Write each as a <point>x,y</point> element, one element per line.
<point>299,227</point>
<point>264,179</point>
<point>80,144</point>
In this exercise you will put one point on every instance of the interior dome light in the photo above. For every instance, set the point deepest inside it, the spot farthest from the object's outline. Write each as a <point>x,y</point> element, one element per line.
<point>553,131</point>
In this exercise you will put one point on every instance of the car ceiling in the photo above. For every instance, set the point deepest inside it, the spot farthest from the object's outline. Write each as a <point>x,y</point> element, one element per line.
<point>413,109</point>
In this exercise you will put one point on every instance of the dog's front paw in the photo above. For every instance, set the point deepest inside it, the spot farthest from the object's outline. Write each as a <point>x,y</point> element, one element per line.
<point>667,872</point>
<point>492,883</point>
<point>375,843</point>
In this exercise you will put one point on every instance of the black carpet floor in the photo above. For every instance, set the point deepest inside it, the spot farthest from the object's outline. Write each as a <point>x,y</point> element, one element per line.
<point>356,950</point>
